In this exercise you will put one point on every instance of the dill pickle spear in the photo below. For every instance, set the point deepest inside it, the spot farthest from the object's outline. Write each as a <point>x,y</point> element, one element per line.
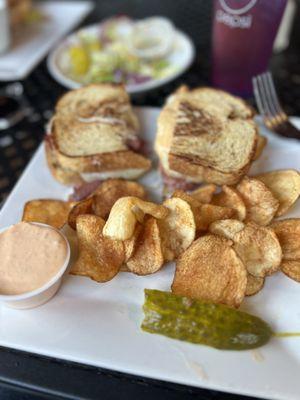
<point>202,322</point>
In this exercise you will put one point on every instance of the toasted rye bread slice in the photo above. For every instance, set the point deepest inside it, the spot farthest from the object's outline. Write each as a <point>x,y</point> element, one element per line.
<point>76,138</point>
<point>207,135</point>
<point>181,168</point>
<point>64,176</point>
<point>94,119</point>
<point>68,170</point>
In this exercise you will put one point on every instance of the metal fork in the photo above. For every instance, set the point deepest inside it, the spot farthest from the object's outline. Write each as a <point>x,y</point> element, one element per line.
<point>270,108</point>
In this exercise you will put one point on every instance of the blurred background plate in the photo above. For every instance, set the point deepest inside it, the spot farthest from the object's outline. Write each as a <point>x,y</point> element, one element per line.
<point>31,44</point>
<point>181,58</point>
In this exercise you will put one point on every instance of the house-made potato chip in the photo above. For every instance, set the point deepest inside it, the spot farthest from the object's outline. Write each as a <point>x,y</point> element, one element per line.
<point>291,268</point>
<point>126,212</point>
<point>211,270</point>
<point>46,211</point>
<point>204,193</point>
<point>288,233</point>
<point>227,228</point>
<point>100,258</point>
<point>178,229</point>
<point>230,197</point>
<point>285,186</point>
<point>260,203</point>
<point>147,256</point>
<point>113,189</point>
<point>83,207</point>
<point>254,284</point>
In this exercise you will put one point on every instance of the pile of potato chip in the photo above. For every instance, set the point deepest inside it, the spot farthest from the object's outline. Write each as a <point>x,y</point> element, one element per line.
<point>224,241</point>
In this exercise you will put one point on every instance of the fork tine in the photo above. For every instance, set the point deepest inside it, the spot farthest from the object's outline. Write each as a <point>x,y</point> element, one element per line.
<point>257,96</point>
<point>268,115</point>
<point>269,106</point>
<point>267,98</point>
<point>268,93</point>
<point>278,111</point>
<point>261,97</point>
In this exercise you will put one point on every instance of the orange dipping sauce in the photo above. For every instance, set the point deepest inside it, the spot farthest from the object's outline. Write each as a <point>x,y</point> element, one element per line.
<point>30,256</point>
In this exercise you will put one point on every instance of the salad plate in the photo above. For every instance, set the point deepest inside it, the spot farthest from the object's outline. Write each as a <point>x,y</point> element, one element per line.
<point>103,53</point>
<point>99,324</point>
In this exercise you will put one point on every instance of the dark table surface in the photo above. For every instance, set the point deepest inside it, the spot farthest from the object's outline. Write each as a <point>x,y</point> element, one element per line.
<point>27,376</point>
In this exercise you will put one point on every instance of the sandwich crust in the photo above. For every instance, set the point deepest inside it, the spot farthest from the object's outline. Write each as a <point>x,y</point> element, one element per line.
<point>198,173</point>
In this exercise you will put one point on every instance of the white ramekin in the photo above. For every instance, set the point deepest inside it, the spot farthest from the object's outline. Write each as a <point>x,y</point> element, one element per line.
<point>41,295</point>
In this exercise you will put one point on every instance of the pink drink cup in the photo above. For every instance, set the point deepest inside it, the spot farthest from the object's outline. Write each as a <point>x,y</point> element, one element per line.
<point>243,35</point>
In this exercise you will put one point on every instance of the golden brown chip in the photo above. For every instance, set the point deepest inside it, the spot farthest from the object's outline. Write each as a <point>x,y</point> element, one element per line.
<point>113,189</point>
<point>192,201</point>
<point>178,229</point>
<point>147,257</point>
<point>261,144</point>
<point>227,228</point>
<point>254,284</point>
<point>71,235</point>
<point>230,197</point>
<point>211,270</point>
<point>208,213</point>
<point>260,203</point>
<point>130,244</point>
<point>124,268</point>
<point>99,258</point>
<point>204,193</point>
<point>259,249</point>
<point>47,211</point>
<point>126,212</point>
<point>285,186</point>
<point>257,246</point>
<point>83,207</point>
<point>288,233</point>
<point>204,214</point>
<point>121,221</point>
<point>291,268</point>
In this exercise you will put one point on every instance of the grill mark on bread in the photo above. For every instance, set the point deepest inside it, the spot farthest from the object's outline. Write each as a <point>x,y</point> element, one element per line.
<point>194,121</point>
<point>196,160</point>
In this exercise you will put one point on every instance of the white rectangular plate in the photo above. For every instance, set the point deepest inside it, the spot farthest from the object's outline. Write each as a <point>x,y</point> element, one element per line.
<point>34,42</point>
<point>99,324</point>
